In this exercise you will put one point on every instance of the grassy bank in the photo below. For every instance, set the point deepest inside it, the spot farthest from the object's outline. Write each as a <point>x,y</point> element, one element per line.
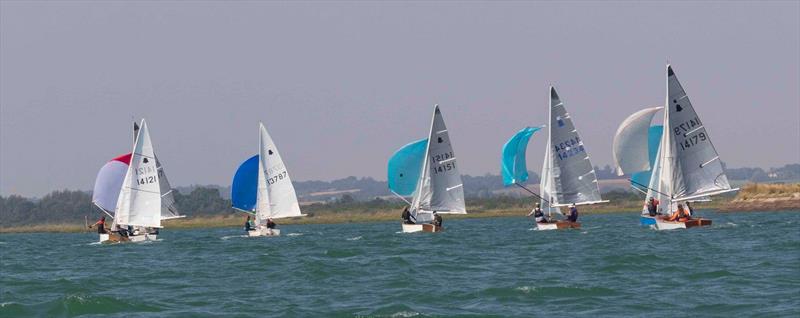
<point>766,197</point>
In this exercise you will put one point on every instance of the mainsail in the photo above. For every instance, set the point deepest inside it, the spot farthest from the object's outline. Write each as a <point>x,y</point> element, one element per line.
<point>570,176</point>
<point>691,163</point>
<point>139,203</point>
<point>440,188</point>
<point>262,185</point>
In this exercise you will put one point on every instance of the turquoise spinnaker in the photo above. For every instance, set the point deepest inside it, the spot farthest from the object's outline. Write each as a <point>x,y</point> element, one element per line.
<point>653,142</point>
<point>405,166</point>
<point>513,165</point>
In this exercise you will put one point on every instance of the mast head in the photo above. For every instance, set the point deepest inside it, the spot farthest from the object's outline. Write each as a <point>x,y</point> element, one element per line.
<point>669,70</point>
<point>553,94</point>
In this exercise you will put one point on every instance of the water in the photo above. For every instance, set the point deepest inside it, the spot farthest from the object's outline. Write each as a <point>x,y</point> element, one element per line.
<point>747,264</point>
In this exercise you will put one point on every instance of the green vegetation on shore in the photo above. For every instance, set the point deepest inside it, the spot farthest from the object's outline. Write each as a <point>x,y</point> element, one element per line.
<point>64,211</point>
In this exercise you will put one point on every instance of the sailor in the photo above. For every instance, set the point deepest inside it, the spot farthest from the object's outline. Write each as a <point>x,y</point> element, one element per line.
<point>573,213</point>
<point>406,216</point>
<point>122,232</point>
<point>248,225</point>
<point>689,210</point>
<point>680,215</point>
<point>538,215</point>
<point>101,225</point>
<point>270,224</point>
<point>652,206</point>
<point>437,219</point>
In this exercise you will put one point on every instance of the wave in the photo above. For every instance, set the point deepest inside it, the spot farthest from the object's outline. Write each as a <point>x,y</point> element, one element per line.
<point>355,238</point>
<point>294,234</point>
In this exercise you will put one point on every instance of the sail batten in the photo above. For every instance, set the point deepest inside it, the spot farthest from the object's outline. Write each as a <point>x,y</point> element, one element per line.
<point>438,186</point>
<point>567,161</point>
<point>139,202</point>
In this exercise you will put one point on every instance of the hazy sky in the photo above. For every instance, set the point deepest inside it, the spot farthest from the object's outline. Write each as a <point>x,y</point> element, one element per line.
<point>340,86</point>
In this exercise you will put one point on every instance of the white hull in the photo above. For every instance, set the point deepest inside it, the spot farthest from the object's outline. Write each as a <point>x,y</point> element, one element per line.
<point>263,231</point>
<point>412,228</point>
<point>557,225</point>
<point>114,238</point>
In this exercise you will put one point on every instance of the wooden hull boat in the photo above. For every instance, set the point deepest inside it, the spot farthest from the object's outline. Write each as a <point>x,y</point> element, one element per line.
<point>426,227</point>
<point>558,225</point>
<point>263,231</point>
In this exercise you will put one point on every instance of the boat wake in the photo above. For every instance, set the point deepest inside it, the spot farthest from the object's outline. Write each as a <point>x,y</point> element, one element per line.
<point>231,236</point>
<point>294,234</point>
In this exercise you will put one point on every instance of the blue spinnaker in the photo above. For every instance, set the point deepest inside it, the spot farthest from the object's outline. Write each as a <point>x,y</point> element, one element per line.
<point>405,166</point>
<point>513,165</point>
<point>653,141</point>
<point>245,185</point>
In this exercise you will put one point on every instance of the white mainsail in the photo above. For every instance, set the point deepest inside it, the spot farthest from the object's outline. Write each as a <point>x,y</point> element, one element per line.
<point>440,187</point>
<point>688,168</point>
<point>695,166</point>
<point>570,174</point>
<point>631,142</point>
<point>139,202</point>
<point>168,208</point>
<point>276,197</point>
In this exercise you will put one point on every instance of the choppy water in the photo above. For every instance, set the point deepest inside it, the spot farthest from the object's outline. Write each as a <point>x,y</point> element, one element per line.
<point>747,264</point>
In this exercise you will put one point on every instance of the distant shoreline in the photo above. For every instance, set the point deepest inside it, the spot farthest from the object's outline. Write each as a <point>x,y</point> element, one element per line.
<point>237,220</point>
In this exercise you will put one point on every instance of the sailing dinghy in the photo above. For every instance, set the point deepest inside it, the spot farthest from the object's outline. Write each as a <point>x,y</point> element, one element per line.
<point>684,166</point>
<point>133,189</point>
<point>262,187</point>
<point>426,170</point>
<point>567,173</point>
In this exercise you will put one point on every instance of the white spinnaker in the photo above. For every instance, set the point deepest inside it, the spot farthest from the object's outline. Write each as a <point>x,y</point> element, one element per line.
<point>282,200</point>
<point>572,172</point>
<point>440,187</point>
<point>139,203</point>
<point>631,142</point>
<point>696,167</point>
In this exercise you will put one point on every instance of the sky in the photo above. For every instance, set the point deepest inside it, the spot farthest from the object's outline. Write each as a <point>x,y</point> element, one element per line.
<point>341,85</point>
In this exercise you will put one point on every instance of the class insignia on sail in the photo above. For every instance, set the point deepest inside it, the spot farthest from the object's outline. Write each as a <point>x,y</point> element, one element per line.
<point>262,188</point>
<point>427,171</point>
<point>133,189</point>
<point>674,165</point>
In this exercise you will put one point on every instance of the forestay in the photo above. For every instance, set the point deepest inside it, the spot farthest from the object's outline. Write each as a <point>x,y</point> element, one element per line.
<point>695,169</point>
<point>404,167</point>
<point>570,171</point>
<point>513,165</point>
<point>631,142</point>
<point>139,203</point>
<point>440,188</point>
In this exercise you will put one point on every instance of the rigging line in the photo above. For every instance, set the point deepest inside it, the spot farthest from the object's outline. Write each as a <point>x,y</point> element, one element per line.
<point>648,188</point>
<point>531,192</point>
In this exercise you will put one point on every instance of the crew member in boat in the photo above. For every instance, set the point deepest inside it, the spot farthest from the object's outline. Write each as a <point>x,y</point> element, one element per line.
<point>437,219</point>
<point>101,225</point>
<point>681,215</point>
<point>652,206</point>
<point>119,230</point>
<point>538,214</point>
<point>406,216</point>
<point>271,224</point>
<point>248,225</point>
<point>573,213</point>
<point>689,210</point>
